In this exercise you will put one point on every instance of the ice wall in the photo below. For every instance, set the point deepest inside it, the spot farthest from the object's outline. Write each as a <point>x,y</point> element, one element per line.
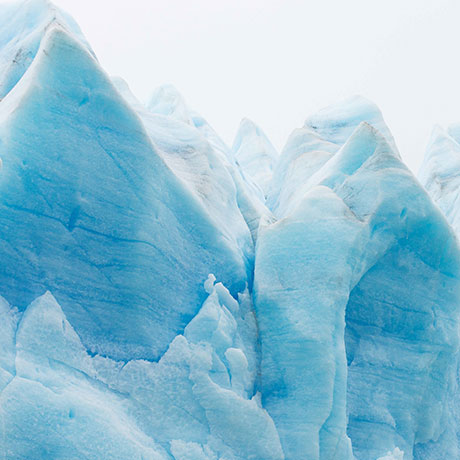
<point>346,345</point>
<point>92,212</point>
<point>164,296</point>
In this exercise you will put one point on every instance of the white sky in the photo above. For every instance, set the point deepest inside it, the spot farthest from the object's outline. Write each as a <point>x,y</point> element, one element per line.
<point>277,61</point>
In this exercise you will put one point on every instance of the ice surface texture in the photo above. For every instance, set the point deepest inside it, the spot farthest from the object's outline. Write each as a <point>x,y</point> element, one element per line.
<point>167,297</point>
<point>91,211</point>
<point>356,295</point>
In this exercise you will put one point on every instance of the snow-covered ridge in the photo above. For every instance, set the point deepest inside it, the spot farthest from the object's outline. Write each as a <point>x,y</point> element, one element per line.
<point>167,297</point>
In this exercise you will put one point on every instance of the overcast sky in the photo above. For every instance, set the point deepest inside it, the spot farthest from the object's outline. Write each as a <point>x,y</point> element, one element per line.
<point>277,61</point>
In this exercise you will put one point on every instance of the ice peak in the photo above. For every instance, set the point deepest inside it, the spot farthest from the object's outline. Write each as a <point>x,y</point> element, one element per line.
<point>360,146</point>
<point>21,32</point>
<point>336,122</point>
<point>247,126</point>
<point>255,153</point>
<point>166,100</point>
<point>60,57</point>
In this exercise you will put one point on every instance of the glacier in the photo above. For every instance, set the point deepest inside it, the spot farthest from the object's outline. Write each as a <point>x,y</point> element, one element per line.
<point>167,297</point>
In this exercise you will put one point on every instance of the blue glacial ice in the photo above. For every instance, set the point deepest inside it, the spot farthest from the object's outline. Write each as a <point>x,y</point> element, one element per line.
<point>255,154</point>
<point>22,29</point>
<point>440,171</point>
<point>102,220</point>
<point>166,297</point>
<point>59,401</point>
<point>351,357</point>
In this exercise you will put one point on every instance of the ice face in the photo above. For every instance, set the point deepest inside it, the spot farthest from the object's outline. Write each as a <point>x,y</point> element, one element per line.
<point>204,171</point>
<point>440,172</point>
<point>250,203</point>
<point>199,397</point>
<point>440,175</point>
<point>328,329</point>
<point>335,322</point>
<point>304,153</point>
<point>99,217</point>
<point>53,406</point>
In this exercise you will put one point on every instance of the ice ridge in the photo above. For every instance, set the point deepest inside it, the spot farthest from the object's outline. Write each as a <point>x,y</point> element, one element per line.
<point>166,297</point>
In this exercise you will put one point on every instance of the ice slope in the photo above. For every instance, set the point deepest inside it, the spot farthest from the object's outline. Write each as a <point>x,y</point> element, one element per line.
<point>357,291</point>
<point>304,153</point>
<point>166,100</point>
<point>204,171</point>
<point>90,210</point>
<point>255,154</point>
<point>194,161</point>
<point>440,172</point>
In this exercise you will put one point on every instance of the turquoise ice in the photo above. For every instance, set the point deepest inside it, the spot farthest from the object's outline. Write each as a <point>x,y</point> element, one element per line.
<point>102,220</point>
<point>166,297</point>
<point>353,321</point>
